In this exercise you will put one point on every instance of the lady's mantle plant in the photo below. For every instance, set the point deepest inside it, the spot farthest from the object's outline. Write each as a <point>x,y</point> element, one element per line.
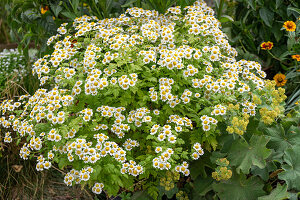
<point>132,97</point>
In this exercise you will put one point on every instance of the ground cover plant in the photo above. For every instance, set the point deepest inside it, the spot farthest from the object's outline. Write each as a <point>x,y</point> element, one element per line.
<point>154,105</point>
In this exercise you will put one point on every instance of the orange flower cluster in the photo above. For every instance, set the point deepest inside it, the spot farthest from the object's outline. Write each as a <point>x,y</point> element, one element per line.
<point>296,57</point>
<point>266,45</point>
<point>289,26</point>
<point>280,80</point>
<point>44,9</point>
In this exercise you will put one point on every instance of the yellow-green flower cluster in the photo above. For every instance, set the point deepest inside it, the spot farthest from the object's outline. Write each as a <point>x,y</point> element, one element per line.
<point>269,112</point>
<point>169,181</point>
<point>269,116</point>
<point>239,124</point>
<point>278,96</point>
<point>222,172</point>
<point>181,195</point>
<point>256,99</point>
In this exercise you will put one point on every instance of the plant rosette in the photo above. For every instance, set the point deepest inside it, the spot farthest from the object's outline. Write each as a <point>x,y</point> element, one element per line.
<point>135,96</point>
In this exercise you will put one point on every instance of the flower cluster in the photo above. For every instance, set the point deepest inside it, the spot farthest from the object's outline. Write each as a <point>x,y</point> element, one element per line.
<point>239,124</point>
<point>198,151</point>
<point>132,168</point>
<point>183,168</point>
<point>7,137</point>
<point>161,162</point>
<point>42,164</point>
<point>169,181</point>
<point>97,188</point>
<point>207,121</point>
<point>222,172</point>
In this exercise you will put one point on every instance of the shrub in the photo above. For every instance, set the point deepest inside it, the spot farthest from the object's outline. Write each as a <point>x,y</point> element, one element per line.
<point>134,97</point>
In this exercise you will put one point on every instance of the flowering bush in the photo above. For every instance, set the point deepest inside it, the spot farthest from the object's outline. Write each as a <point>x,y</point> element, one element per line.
<point>132,97</point>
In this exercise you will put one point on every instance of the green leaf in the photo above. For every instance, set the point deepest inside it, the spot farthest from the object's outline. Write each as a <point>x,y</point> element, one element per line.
<point>294,9</point>
<point>75,4</point>
<point>244,155</point>
<point>197,167</point>
<point>252,3</point>
<point>153,192</point>
<point>285,55</point>
<point>292,168</point>
<point>290,43</point>
<point>279,193</point>
<point>139,195</point>
<point>240,188</point>
<point>265,172</point>
<point>267,16</point>
<point>169,193</point>
<point>293,196</point>
<point>128,3</point>
<point>62,162</point>
<point>278,3</point>
<point>278,33</point>
<point>226,18</point>
<point>281,139</point>
<point>70,15</point>
<point>56,9</point>
<point>42,127</point>
<point>202,185</point>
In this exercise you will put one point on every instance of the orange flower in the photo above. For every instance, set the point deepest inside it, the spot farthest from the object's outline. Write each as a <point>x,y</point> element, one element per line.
<point>280,80</point>
<point>266,45</point>
<point>289,25</point>
<point>296,57</point>
<point>44,9</point>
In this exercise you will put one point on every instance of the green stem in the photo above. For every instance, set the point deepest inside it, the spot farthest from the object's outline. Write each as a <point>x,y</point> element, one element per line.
<point>276,58</point>
<point>220,9</point>
<point>273,56</point>
<point>98,11</point>
<point>242,45</point>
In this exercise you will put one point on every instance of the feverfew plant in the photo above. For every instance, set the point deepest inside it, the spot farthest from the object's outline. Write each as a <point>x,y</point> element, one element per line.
<point>136,96</point>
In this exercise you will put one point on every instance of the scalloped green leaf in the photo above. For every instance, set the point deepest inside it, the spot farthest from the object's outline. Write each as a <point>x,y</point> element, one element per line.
<point>243,155</point>
<point>279,193</point>
<point>281,139</point>
<point>240,188</point>
<point>291,171</point>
